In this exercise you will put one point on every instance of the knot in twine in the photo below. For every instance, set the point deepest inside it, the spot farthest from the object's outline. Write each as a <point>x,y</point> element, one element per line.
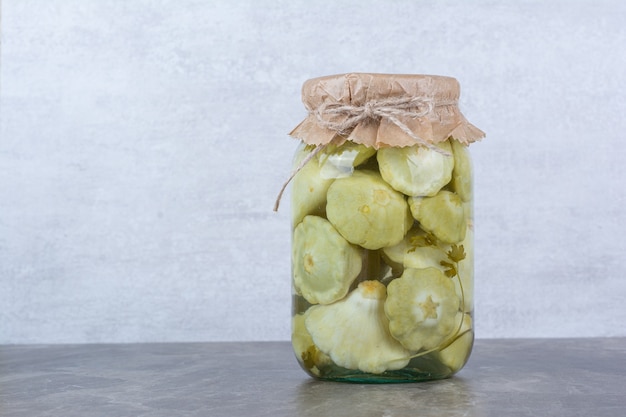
<point>391,109</point>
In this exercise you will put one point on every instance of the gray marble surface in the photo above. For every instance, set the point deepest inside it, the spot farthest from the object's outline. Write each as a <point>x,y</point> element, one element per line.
<point>508,377</point>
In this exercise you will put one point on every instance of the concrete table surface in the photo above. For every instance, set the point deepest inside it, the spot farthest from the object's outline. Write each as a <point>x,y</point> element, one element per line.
<point>508,377</point>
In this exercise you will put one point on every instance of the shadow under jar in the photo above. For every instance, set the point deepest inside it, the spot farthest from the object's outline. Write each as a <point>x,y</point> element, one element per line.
<point>382,229</point>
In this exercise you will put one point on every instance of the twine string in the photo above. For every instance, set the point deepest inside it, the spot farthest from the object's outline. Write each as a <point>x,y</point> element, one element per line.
<point>412,107</point>
<point>392,109</point>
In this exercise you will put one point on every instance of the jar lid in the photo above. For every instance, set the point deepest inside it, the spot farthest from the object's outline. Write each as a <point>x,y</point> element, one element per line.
<point>381,110</point>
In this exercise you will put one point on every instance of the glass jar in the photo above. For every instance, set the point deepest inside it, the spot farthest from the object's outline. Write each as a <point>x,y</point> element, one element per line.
<point>382,242</point>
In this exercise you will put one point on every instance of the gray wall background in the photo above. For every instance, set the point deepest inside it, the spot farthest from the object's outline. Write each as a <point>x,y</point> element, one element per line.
<point>143,144</point>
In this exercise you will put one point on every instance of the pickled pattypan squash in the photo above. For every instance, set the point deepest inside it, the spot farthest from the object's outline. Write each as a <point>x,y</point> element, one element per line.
<point>367,211</point>
<point>324,263</point>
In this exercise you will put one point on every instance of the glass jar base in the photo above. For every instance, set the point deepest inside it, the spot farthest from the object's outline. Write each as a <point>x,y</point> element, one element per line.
<point>387,378</point>
<point>419,370</point>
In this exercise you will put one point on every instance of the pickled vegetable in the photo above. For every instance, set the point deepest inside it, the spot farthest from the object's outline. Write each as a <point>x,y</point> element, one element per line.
<point>462,173</point>
<point>309,188</point>
<point>324,263</point>
<point>367,211</point>
<point>340,161</point>
<point>421,306</point>
<point>417,250</point>
<point>354,331</point>
<point>443,215</point>
<point>455,355</point>
<point>306,352</point>
<point>415,170</point>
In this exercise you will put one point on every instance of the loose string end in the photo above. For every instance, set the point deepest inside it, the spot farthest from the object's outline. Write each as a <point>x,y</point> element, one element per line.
<point>295,172</point>
<point>280,195</point>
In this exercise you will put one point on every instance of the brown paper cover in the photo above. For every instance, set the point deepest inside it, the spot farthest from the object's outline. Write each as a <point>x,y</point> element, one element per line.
<point>441,119</point>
